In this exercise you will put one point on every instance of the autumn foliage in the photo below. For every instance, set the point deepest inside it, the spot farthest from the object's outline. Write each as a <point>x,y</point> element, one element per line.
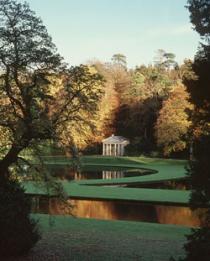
<point>173,122</point>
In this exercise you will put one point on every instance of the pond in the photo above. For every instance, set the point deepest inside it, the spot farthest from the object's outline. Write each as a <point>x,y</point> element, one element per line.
<point>119,210</point>
<point>106,172</point>
<point>94,172</point>
<point>182,184</point>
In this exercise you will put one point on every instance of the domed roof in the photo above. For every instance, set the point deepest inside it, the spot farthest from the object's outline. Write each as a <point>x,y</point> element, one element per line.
<point>116,139</point>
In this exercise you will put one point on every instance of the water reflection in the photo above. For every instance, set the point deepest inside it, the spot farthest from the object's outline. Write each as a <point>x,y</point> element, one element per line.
<point>171,184</point>
<point>114,210</point>
<point>67,173</point>
<point>112,174</point>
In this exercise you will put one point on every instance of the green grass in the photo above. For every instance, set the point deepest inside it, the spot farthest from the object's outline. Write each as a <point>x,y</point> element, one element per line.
<point>90,240</point>
<point>74,190</point>
<point>90,189</point>
<point>164,169</point>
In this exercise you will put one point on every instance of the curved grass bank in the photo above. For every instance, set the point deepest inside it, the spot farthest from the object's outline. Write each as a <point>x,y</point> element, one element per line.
<point>162,170</point>
<point>66,238</point>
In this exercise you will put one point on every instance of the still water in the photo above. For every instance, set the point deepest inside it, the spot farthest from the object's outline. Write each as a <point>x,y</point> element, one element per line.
<point>117,210</point>
<point>94,172</point>
<point>182,184</point>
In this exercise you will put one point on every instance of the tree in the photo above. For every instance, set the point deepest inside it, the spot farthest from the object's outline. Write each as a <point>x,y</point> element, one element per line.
<point>199,16</point>
<point>30,109</point>
<point>165,60</point>
<point>197,246</point>
<point>120,60</point>
<point>198,86</point>
<point>173,122</point>
<point>140,104</point>
<point>27,57</point>
<point>109,102</point>
<point>77,123</point>
<point>37,91</point>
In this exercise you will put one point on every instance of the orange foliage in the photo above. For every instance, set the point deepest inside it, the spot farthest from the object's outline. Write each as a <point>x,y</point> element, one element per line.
<point>173,122</point>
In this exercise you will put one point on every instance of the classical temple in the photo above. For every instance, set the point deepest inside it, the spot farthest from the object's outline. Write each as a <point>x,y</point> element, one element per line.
<point>114,145</point>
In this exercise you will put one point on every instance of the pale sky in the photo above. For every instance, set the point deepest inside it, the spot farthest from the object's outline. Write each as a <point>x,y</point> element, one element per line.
<point>84,30</point>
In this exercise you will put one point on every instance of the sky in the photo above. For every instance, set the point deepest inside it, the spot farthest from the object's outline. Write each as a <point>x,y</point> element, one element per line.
<point>85,30</point>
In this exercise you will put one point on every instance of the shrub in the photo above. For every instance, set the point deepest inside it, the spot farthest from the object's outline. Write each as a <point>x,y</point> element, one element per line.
<point>18,232</point>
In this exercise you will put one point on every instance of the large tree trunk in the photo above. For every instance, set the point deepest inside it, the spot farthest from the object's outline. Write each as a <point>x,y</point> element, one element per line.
<point>10,158</point>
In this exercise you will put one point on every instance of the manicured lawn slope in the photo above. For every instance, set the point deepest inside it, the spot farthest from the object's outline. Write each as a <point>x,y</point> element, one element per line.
<point>89,239</point>
<point>164,169</point>
<point>74,190</point>
<point>85,239</point>
<point>88,189</point>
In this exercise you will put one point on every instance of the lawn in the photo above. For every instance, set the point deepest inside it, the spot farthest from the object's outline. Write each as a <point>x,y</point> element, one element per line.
<point>66,239</point>
<point>162,170</point>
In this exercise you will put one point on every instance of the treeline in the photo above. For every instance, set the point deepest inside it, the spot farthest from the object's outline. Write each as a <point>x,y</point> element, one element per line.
<point>149,105</point>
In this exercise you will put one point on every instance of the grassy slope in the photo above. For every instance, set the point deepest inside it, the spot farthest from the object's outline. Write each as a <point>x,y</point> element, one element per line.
<point>90,240</point>
<point>166,170</point>
<point>85,239</point>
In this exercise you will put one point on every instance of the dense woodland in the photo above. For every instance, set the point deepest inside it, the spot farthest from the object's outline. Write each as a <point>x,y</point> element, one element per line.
<point>150,105</point>
<point>163,108</point>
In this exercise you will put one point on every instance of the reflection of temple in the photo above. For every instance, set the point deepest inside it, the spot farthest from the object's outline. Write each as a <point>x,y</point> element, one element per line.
<point>78,175</point>
<point>112,174</point>
<point>114,146</point>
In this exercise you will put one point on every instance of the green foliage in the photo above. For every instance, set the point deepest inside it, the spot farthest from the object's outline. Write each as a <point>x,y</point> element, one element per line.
<point>199,86</point>
<point>19,232</point>
<point>197,247</point>
<point>132,100</point>
<point>141,101</point>
<point>119,59</point>
<point>199,172</point>
<point>165,60</point>
<point>27,58</point>
<point>199,16</point>
<point>40,99</point>
<point>139,146</point>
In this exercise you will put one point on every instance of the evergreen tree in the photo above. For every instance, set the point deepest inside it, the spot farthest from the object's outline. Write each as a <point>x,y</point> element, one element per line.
<point>198,245</point>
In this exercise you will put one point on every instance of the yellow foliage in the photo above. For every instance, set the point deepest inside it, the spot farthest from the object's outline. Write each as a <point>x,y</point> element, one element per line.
<point>173,122</point>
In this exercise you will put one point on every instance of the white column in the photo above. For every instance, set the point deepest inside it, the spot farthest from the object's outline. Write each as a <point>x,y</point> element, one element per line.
<point>103,152</point>
<point>122,150</point>
<point>110,149</point>
<point>115,149</point>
